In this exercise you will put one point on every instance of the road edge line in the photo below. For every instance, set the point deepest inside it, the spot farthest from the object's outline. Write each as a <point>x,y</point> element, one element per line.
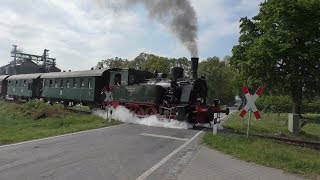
<point>156,166</point>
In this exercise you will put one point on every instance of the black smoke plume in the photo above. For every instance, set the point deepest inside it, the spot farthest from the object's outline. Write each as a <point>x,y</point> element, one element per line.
<point>179,15</point>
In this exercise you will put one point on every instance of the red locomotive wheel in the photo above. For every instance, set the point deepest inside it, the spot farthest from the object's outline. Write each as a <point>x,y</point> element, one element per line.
<point>152,111</point>
<point>140,111</point>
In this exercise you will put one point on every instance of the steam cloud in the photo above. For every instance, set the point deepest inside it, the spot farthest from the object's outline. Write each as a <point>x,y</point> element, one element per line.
<point>124,115</point>
<point>179,15</point>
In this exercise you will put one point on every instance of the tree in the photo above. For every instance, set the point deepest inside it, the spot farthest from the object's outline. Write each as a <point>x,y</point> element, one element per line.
<point>138,62</point>
<point>154,62</point>
<point>182,62</point>
<point>219,79</point>
<point>113,63</point>
<point>280,48</point>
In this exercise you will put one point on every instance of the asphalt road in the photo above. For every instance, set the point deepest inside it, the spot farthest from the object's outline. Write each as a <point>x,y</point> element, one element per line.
<point>123,152</point>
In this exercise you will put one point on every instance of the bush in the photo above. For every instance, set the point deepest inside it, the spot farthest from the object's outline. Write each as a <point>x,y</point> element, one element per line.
<point>283,104</point>
<point>275,104</point>
<point>35,108</point>
<point>313,107</point>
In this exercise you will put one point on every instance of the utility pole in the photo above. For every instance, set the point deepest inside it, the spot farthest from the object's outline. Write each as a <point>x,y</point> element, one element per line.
<point>45,59</point>
<point>15,58</point>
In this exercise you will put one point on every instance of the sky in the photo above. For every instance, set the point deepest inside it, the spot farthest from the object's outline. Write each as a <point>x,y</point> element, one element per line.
<point>79,33</point>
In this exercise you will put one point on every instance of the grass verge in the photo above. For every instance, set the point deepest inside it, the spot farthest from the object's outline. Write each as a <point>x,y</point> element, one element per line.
<point>17,122</point>
<point>289,158</point>
<point>275,125</point>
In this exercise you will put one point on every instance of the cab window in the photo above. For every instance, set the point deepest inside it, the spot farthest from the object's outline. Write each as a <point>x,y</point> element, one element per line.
<point>131,79</point>
<point>117,79</point>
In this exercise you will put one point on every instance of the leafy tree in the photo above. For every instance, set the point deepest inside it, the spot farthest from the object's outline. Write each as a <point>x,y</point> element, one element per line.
<point>219,79</point>
<point>161,64</point>
<point>113,63</point>
<point>280,48</point>
<point>184,62</point>
<point>138,62</point>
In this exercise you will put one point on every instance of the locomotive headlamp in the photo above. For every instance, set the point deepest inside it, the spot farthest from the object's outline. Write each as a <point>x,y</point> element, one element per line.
<point>216,102</point>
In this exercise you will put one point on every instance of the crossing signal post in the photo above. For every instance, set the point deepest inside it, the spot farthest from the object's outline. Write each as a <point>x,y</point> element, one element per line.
<point>250,106</point>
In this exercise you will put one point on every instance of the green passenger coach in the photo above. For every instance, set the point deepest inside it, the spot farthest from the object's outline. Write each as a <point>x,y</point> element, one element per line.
<point>76,87</point>
<point>3,85</point>
<point>24,86</point>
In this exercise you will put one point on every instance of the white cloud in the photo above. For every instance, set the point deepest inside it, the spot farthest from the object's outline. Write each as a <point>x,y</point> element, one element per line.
<point>220,19</point>
<point>77,38</point>
<point>79,34</point>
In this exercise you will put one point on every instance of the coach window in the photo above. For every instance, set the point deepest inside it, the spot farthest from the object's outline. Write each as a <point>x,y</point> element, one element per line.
<point>61,83</point>
<point>56,83</point>
<point>16,83</point>
<point>74,83</point>
<point>9,83</point>
<point>89,83</point>
<point>50,83</point>
<point>68,83</point>
<point>82,83</point>
<point>24,83</point>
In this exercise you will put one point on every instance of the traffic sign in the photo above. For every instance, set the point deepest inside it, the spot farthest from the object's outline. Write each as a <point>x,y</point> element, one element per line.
<point>251,99</point>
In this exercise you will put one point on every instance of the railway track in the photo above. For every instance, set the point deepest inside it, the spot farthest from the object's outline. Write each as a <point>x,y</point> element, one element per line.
<point>309,144</point>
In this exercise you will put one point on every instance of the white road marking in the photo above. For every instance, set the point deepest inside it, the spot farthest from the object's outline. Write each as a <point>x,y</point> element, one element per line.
<point>59,136</point>
<point>162,136</point>
<point>152,169</point>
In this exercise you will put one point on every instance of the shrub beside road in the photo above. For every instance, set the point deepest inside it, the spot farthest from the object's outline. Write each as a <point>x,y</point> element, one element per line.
<point>18,121</point>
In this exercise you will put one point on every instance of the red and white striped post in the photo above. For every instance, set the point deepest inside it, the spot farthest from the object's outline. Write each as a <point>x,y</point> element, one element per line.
<point>250,106</point>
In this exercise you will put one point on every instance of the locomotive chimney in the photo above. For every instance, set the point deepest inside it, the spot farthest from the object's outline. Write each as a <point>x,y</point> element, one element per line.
<point>194,67</point>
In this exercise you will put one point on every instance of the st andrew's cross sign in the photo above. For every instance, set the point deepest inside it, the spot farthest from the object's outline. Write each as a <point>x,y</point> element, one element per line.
<point>250,102</point>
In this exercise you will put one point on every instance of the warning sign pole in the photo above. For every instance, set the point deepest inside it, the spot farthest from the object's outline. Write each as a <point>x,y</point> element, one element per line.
<point>249,120</point>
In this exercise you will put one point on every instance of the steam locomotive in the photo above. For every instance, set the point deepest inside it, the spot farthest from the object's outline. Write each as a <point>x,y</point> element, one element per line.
<point>142,92</point>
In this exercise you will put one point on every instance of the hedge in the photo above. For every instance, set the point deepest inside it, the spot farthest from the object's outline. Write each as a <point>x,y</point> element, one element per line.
<point>283,104</point>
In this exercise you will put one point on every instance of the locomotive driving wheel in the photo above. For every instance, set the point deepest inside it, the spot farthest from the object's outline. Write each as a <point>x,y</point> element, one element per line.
<point>152,111</point>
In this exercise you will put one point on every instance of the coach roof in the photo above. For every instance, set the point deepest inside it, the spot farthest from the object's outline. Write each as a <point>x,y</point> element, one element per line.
<point>88,73</point>
<point>24,76</point>
<point>3,77</point>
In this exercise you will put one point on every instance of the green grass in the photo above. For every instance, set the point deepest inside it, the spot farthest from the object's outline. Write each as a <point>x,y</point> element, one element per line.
<point>80,108</point>
<point>270,124</point>
<point>289,158</point>
<point>17,122</point>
